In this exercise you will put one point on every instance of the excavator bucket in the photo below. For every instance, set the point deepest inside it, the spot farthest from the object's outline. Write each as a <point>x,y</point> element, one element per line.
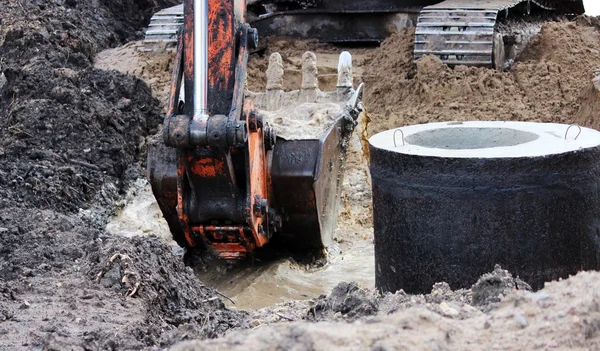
<point>221,175</point>
<point>304,170</point>
<point>313,129</point>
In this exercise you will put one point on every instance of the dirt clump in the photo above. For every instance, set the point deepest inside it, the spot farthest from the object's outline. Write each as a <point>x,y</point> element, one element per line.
<point>346,299</point>
<point>303,121</point>
<point>491,287</point>
<point>351,302</point>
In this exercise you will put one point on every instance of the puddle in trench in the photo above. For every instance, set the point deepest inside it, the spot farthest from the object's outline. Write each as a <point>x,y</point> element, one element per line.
<point>261,284</point>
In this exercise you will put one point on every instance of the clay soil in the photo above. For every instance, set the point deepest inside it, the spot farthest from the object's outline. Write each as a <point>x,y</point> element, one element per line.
<point>77,104</point>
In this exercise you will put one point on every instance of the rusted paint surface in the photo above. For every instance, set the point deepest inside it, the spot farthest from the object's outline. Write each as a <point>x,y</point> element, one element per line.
<point>230,242</point>
<point>207,167</point>
<point>221,55</point>
<point>220,43</point>
<point>257,175</point>
<point>183,217</point>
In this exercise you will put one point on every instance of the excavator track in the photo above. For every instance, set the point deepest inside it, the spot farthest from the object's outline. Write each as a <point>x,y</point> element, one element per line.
<point>164,25</point>
<point>464,32</point>
<point>163,28</point>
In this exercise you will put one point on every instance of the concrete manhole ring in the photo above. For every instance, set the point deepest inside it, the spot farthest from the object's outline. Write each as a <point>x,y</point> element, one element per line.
<point>451,200</point>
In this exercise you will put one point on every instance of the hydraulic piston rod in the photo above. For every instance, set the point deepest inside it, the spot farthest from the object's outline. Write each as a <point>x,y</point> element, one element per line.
<point>200,59</point>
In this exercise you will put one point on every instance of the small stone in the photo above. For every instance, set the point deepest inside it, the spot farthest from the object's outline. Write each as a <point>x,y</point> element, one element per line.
<point>447,310</point>
<point>542,297</point>
<point>123,104</point>
<point>25,305</point>
<point>380,346</point>
<point>3,230</point>
<point>520,320</point>
<point>255,323</point>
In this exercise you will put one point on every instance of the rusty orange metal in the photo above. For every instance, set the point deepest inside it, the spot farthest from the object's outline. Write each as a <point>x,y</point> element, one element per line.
<point>183,217</point>
<point>229,246</point>
<point>221,41</point>
<point>257,173</point>
<point>201,169</point>
<point>207,166</point>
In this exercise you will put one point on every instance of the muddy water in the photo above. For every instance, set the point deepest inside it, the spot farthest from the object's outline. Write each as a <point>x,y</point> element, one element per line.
<point>140,215</point>
<point>257,285</point>
<point>262,285</point>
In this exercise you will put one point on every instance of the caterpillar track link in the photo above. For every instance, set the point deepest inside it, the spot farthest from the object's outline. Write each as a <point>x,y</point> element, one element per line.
<point>163,28</point>
<point>161,33</point>
<point>467,32</point>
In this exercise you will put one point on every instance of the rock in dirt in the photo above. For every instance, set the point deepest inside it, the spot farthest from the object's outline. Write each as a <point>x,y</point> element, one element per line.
<point>348,300</point>
<point>492,287</point>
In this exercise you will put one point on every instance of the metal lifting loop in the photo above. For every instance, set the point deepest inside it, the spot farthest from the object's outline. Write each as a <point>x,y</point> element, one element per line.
<point>573,125</point>
<point>394,136</point>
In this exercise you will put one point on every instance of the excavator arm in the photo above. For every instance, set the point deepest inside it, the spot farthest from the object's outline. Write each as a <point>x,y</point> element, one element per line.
<point>217,173</point>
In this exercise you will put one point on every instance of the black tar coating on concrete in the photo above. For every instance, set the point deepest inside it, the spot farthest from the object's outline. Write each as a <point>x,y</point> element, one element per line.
<point>443,219</point>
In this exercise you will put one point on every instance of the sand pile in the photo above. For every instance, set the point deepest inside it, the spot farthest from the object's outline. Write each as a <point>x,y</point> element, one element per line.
<point>545,84</point>
<point>589,111</point>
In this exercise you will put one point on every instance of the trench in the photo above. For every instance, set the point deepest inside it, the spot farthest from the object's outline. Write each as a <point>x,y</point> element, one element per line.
<point>271,280</point>
<point>252,285</point>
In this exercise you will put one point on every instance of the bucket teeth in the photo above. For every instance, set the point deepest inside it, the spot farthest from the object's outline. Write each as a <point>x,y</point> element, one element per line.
<point>275,72</point>
<point>275,98</point>
<point>345,70</point>
<point>274,94</point>
<point>310,78</point>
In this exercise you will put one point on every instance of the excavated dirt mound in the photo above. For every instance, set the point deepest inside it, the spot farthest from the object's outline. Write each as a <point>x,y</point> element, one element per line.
<point>564,315</point>
<point>72,138</point>
<point>546,84</point>
<point>66,128</point>
<point>153,67</point>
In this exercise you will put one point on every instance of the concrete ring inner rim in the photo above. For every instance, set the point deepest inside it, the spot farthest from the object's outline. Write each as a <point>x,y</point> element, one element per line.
<point>486,139</point>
